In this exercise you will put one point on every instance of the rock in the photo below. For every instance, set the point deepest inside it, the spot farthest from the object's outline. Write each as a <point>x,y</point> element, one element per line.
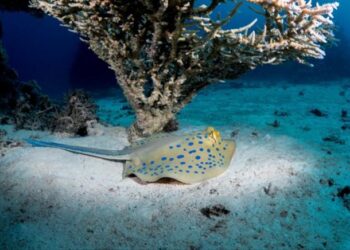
<point>215,210</point>
<point>318,113</point>
<point>334,139</point>
<point>344,194</point>
<point>275,124</point>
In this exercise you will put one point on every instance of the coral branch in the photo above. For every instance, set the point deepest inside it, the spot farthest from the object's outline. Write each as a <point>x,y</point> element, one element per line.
<point>165,51</point>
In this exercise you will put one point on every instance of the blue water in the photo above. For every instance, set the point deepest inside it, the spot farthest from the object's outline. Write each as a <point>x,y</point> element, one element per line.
<point>41,49</point>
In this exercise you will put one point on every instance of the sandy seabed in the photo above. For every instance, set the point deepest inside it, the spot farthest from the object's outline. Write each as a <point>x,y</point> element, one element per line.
<point>281,191</point>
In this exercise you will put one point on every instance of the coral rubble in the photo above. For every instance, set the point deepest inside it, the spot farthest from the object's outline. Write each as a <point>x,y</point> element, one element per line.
<point>163,52</point>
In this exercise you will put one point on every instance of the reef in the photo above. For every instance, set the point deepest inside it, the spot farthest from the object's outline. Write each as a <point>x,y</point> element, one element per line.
<point>22,103</point>
<point>163,52</point>
<point>25,106</point>
<point>77,114</point>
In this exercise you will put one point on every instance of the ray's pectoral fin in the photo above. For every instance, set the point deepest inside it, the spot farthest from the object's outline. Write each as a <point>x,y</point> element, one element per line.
<point>120,155</point>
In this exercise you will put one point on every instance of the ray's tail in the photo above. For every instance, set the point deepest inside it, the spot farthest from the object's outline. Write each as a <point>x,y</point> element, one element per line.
<point>121,155</point>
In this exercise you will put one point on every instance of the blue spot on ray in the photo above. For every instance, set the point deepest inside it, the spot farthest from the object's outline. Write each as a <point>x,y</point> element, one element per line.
<point>198,157</point>
<point>180,156</point>
<point>178,145</point>
<point>190,144</point>
<point>164,158</point>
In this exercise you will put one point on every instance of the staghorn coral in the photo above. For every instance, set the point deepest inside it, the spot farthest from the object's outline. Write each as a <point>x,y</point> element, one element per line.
<point>165,51</point>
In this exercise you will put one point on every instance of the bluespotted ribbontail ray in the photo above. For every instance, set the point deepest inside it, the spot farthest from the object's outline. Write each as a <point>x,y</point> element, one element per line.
<point>188,158</point>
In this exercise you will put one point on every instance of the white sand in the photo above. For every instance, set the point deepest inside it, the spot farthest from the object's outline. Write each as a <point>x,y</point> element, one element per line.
<point>52,199</point>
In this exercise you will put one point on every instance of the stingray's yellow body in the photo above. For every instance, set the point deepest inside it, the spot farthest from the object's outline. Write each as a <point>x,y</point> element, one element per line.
<point>189,159</point>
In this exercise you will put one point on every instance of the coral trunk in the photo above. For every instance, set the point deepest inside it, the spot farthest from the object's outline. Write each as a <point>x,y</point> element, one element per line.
<point>152,121</point>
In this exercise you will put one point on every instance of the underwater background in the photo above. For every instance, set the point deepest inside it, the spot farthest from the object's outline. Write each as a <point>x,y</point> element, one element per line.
<point>288,185</point>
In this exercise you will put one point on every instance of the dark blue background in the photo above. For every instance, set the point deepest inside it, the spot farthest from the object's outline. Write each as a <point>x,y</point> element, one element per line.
<point>41,49</point>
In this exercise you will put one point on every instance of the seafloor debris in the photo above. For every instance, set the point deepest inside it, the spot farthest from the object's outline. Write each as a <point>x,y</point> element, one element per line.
<point>318,113</point>
<point>3,133</point>
<point>215,210</point>
<point>344,114</point>
<point>77,114</point>
<point>6,144</point>
<point>234,133</point>
<point>345,127</point>
<point>329,182</point>
<point>306,128</point>
<point>344,194</point>
<point>281,113</point>
<point>270,190</point>
<point>334,139</point>
<point>275,124</point>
